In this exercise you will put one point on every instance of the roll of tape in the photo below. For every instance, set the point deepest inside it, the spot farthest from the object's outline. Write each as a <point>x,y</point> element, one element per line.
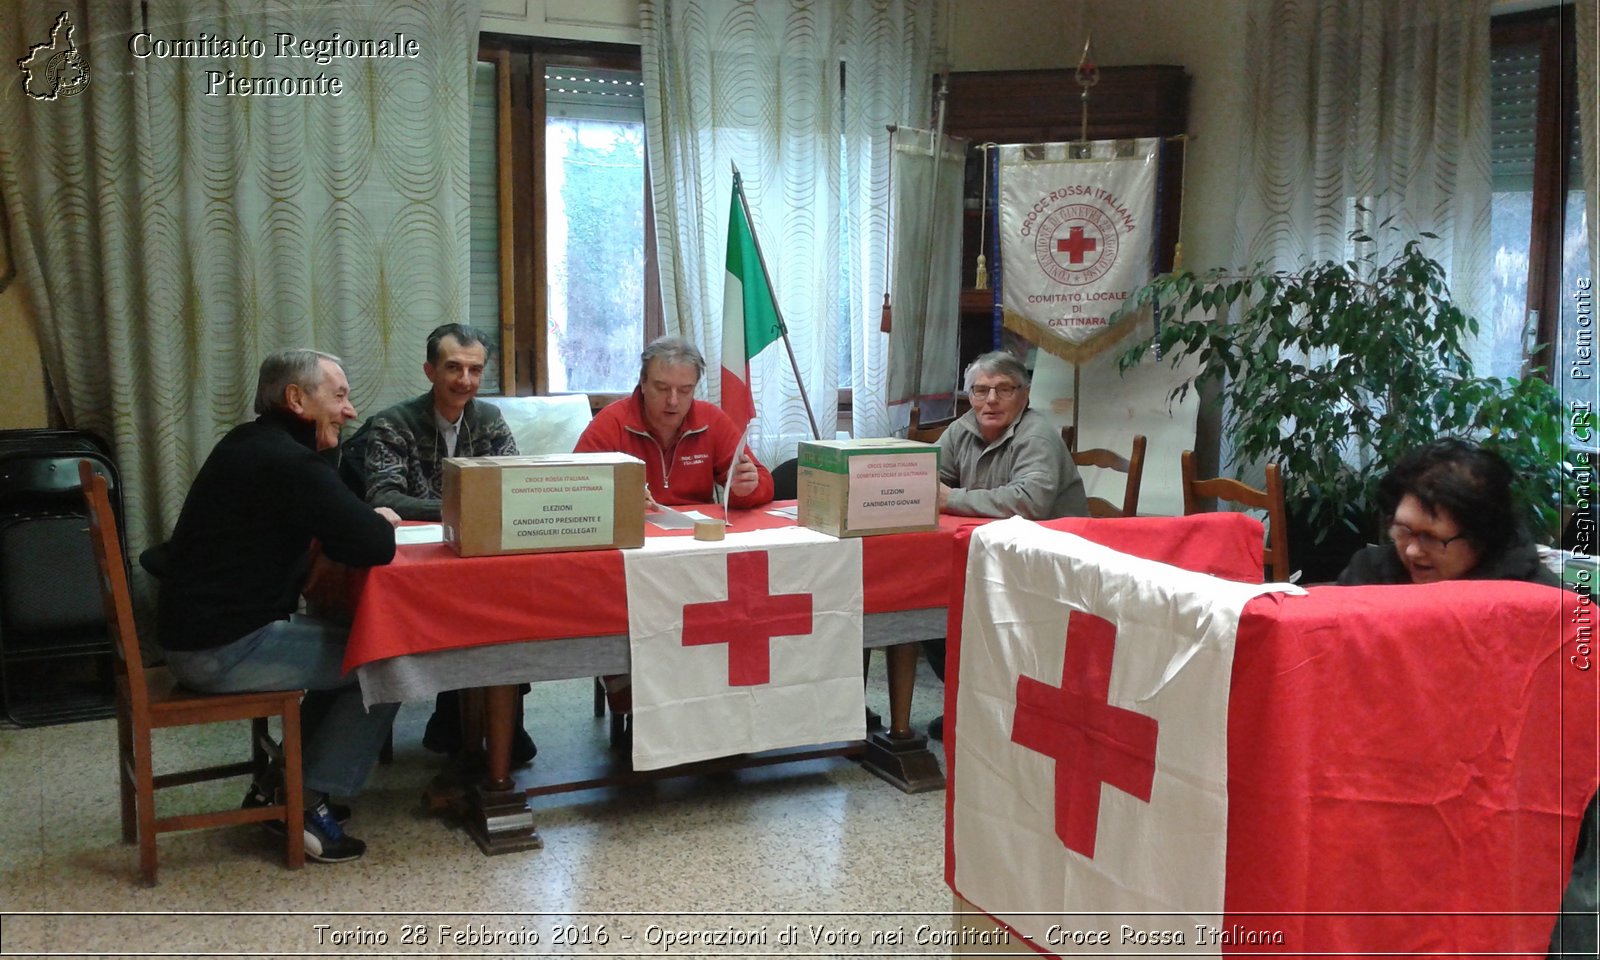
<point>710,529</point>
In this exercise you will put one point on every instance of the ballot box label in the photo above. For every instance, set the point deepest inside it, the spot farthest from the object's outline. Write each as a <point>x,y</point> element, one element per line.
<point>892,491</point>
<point>562,508</point>
<point>548,502</point>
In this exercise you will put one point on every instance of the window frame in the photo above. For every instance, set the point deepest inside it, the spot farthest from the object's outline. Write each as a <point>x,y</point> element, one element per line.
<point>1552,28</point>
<point>524,205</point>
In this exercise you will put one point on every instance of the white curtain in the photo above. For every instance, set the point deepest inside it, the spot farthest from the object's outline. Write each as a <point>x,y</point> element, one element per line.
<point>169,239</point>
<point>1374,104</point>
<point>798,94</point>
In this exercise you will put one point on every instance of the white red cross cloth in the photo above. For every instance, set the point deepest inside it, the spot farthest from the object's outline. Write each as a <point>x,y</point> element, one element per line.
<point>1091,730</point>
<point>751,643</point>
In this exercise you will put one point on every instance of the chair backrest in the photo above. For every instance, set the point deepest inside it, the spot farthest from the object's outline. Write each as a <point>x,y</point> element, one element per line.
<point>1276,557</point>
<point>1131,465</point>
<point>786,480</point>
<point>545,424</point>
<point>925,432</point>
<point>114,593</point>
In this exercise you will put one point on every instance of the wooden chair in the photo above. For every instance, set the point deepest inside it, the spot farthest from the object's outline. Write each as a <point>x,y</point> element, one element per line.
<point>1276,557</point>
<point>150,699</point>
<point>1105,459</point>
<point>925,432</point>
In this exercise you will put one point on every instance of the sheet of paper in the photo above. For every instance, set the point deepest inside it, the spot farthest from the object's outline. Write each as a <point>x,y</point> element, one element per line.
<point>422,533</point>
<point>668,519</point>
<point>792,511</point>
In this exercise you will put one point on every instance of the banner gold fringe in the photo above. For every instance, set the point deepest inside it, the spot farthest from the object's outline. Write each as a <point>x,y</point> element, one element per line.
<point>1073,353</point>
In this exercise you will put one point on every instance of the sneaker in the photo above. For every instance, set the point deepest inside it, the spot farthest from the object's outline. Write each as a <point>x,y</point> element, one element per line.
<point>936,728</point>
<point>257,796</point>
<point>326,841</point>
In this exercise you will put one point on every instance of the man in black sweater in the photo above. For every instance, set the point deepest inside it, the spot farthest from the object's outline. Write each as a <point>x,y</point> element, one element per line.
<point>264,507</point>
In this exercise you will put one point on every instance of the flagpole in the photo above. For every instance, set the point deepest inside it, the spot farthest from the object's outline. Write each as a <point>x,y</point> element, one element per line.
<point>933,195</point>
<point>738,189</point>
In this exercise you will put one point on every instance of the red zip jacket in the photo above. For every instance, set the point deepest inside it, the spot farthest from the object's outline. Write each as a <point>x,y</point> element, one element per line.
<point>702,456</point>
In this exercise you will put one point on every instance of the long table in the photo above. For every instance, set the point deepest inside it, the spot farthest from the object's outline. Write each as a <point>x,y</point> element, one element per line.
<point>433,621</point>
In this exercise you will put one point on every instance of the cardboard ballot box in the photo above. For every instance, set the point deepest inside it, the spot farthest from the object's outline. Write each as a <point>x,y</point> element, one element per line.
<point>570,501</point>
<point>855,488</point>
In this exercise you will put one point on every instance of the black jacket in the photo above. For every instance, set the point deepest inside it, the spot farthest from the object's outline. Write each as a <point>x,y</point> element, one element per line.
<point>237,559</point>
<point>1380,564</point>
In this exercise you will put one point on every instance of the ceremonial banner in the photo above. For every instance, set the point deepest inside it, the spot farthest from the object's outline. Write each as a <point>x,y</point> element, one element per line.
<point>1077,237</point>
<point>746,644</point>
<point>926,285</point>
<point>1158,764</point>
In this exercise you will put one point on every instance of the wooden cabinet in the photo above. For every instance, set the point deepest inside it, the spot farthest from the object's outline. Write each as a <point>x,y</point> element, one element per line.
<point>1044,106</point>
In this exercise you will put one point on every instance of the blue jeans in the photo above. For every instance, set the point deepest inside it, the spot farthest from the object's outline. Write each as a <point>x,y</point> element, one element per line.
<point>339,738</point>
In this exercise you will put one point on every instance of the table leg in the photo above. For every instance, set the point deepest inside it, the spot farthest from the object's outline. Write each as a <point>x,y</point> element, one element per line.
<point>900,755</point>
<point>480,787</point>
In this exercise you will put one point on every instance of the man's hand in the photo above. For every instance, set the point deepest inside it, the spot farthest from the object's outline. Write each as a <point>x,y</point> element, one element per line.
<point>387,514</point>
<point>944,496</point>
<point>745,478</point>
<point>650,505</point>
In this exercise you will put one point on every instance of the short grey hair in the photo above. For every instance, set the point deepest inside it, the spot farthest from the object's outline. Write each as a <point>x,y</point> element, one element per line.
<point>674,352</point>
<point>299,366</point>
<point>998,363</point>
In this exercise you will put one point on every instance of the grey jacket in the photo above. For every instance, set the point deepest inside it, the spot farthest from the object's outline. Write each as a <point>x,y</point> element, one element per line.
<point>1026,472</point>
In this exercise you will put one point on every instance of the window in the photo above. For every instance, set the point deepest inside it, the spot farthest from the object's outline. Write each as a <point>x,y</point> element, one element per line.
<point>559,214</point>
<point>1538,232</point>
<point>594,228</point>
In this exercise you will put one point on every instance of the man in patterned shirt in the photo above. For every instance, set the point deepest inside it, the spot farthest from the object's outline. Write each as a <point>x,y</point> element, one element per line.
<point>401,452</point>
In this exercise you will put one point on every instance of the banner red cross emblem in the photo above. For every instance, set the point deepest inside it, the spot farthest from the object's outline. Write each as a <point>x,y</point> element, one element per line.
<point>1091,741</point>
<point>748,620</point>
<point>1076,244</point>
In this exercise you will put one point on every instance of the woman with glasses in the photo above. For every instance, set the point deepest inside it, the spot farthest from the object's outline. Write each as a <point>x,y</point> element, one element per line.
<point>1450,518</point>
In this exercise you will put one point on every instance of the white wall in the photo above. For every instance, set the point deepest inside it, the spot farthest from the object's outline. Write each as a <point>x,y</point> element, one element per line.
<point>1015,34</point>
<point>1206,37</point>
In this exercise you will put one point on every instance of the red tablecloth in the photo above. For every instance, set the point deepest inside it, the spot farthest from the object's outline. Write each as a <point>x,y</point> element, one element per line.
<point>429,599</point>
<point>1407,765</point>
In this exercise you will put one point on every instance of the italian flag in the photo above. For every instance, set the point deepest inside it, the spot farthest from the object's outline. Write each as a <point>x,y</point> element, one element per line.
<point>750,320</point>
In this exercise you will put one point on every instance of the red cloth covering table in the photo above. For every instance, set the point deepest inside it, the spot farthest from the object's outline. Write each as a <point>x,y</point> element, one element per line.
<point>430,600</point>
<point>1406,765</point>
<point>432,621</point>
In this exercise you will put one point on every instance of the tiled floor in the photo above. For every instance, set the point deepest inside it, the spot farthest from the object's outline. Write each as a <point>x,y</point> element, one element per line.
<point>810,838</point>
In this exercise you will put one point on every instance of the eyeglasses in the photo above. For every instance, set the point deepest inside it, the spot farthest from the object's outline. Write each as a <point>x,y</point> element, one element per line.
<point>1400,533</point>
<point>1002,392</point>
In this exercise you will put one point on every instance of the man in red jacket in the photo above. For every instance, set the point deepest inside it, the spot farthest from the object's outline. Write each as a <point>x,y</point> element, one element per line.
<point>687,445</point>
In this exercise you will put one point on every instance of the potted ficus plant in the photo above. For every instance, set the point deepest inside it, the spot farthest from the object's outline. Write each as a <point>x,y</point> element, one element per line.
<point>1335,369</point>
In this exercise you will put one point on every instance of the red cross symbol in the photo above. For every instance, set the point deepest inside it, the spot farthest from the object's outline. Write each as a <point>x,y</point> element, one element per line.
<point>1092,742</point>
<point>1076,245</point>
<point>748,620</point>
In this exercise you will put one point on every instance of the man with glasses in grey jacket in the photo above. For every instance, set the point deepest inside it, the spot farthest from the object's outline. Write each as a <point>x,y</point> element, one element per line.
<point>1002,459</point>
